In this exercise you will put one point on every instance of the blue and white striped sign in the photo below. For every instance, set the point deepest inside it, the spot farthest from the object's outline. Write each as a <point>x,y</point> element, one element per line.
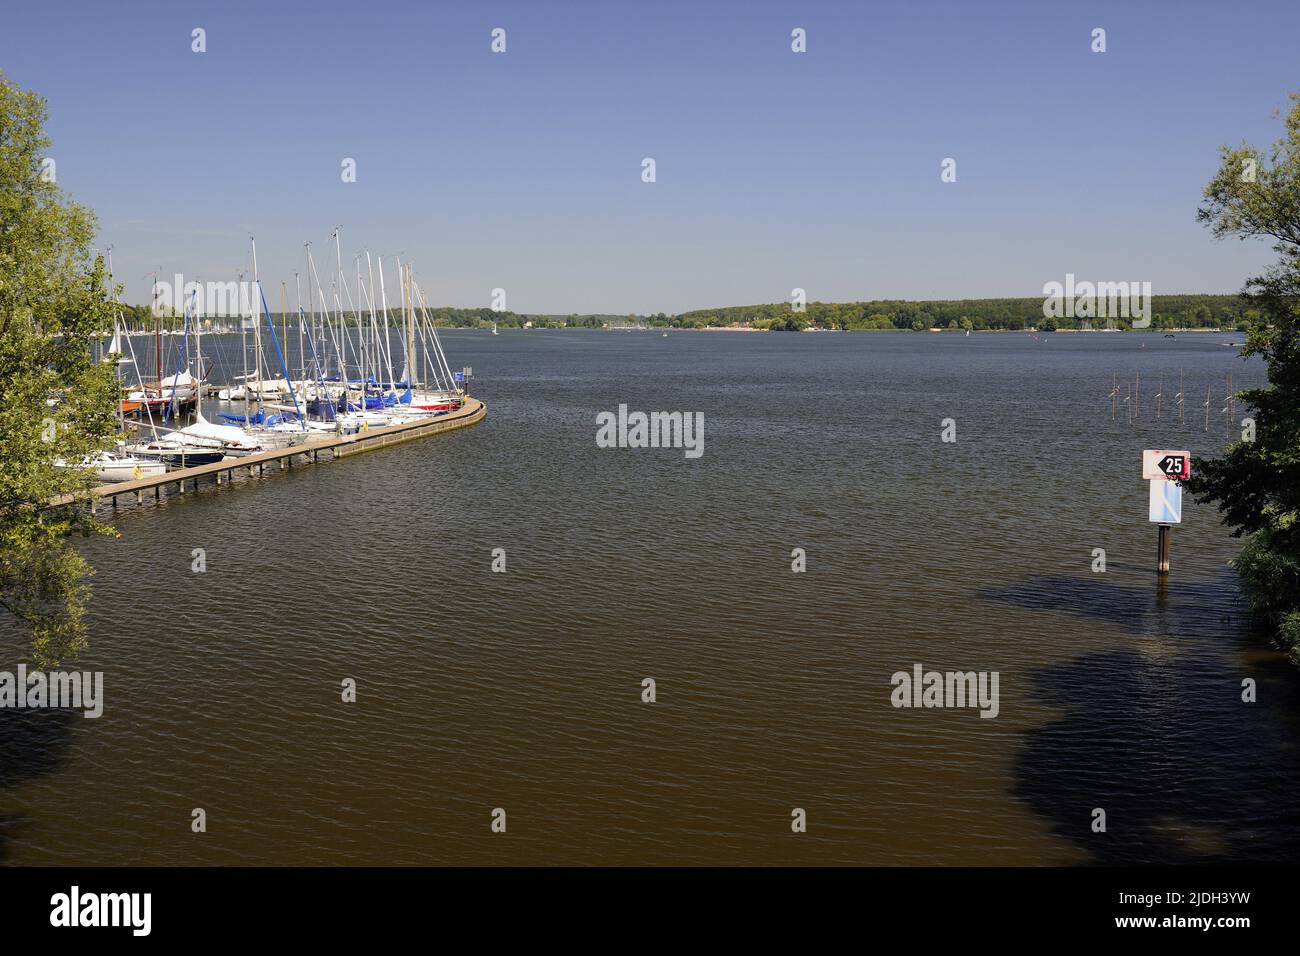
<point>1166,503</point>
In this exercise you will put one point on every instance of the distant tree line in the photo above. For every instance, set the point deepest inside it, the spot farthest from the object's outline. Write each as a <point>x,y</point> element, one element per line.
<point>883,315</point>
<point>1168,311</point>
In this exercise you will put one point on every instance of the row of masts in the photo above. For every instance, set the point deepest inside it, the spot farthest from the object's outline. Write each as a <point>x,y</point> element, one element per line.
<point>334,339</point>
<point>1126,399</point>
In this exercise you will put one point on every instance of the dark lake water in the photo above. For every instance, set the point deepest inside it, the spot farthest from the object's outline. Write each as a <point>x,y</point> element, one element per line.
<point>522,690</point>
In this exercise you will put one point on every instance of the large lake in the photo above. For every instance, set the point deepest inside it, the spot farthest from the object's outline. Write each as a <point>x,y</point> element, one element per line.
<point>523,690</point>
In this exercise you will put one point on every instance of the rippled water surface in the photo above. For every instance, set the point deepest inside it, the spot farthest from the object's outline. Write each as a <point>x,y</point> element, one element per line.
<point>523,690</point>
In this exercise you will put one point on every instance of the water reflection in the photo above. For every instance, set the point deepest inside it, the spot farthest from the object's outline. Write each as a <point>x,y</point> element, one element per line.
<point>1157,734</point>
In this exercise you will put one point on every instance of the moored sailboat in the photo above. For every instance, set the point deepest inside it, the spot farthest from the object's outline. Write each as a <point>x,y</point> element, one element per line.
<point>114,466</point>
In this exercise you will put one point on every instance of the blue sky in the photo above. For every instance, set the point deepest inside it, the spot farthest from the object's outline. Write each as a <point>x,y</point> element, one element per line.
<point>522,170</point>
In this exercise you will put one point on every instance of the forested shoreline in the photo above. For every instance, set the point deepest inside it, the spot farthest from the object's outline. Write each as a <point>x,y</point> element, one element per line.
<point>887,315</point>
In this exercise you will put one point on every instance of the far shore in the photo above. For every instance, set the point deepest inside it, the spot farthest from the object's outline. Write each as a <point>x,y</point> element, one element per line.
<point>748,328</point>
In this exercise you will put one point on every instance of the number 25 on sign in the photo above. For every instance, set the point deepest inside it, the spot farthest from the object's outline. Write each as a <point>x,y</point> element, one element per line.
<point>1166,465</point>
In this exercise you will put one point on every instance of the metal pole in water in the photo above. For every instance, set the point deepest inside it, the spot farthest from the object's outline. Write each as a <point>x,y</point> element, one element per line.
<point>1162,549</point>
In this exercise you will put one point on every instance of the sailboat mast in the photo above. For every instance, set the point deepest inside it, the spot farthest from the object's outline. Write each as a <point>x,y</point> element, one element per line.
<point>117,368</point>
<point>388,359</point>
<point>284,315</point>
<point>157,334</point>
<point>198,361</point>
<point>302,355</point>
<point>368,352</point>
<point>243,351</point>
<point>409,309</point>
<point>257,326</point>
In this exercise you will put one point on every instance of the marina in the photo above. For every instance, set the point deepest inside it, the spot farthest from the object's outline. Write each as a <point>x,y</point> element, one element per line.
<point>345,398</point>
<point>228,470</point>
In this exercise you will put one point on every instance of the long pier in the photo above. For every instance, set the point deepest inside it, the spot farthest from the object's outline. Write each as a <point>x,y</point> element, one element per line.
<point>338,446</point>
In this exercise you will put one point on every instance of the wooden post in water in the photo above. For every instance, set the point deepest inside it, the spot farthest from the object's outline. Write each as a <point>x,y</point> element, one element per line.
<point>1162,549</point>
<point>1228,409</point>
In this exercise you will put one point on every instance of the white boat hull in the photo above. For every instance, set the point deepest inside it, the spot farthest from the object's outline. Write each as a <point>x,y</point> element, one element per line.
<point>111,468</point>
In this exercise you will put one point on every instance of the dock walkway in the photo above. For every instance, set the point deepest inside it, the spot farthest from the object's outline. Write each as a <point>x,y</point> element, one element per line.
<point>339,446</point>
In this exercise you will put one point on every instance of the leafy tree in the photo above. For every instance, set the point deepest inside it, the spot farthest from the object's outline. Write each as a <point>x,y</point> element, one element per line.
<point>1257,482</point>
<point>53,303</point>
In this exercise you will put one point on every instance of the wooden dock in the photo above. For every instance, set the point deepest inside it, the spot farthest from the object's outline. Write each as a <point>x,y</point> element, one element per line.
<point>338,446</point>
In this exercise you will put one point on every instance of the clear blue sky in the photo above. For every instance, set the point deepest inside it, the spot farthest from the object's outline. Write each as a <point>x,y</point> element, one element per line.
<point>523,170</point>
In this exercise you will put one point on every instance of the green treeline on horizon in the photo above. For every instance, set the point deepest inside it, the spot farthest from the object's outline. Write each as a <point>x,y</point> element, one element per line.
<point>1168,311</point>
<point>887,315</point>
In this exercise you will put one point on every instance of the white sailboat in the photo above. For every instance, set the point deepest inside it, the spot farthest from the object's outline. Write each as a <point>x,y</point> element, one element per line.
<point>114,466</point>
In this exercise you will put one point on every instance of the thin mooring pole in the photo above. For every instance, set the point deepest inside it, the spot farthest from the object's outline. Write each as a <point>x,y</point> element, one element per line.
<point>1227,408</point>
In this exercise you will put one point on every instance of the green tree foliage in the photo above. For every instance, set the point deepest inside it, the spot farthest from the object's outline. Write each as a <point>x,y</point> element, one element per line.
<point>1257,483</point>
<point>1170,311</point>
<point>56,401</point>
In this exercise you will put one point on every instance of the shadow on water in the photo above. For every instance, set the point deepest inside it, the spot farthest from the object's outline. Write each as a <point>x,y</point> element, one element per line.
<point>33,743</point>
<point>1158,735</point>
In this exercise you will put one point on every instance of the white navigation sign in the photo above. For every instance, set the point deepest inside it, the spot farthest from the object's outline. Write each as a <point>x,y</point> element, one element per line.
<point>1166,465</point>
<point>1166,502</point>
